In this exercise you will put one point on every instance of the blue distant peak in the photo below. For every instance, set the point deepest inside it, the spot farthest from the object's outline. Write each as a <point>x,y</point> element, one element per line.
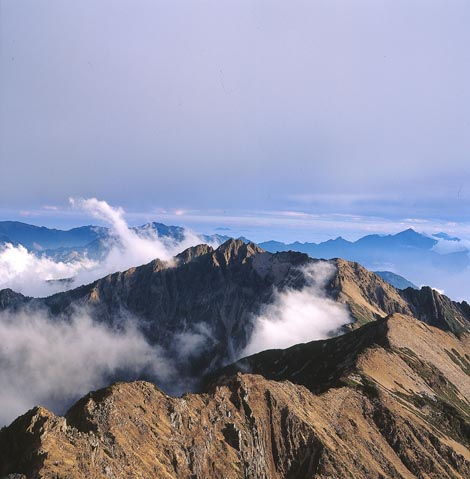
<point>446,237</point>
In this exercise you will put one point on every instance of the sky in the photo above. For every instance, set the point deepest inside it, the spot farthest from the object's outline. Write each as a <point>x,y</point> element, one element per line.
<point>294,120</point>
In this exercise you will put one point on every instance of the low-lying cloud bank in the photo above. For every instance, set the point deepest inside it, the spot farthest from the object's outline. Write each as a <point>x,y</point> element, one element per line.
<point>53,362</point>
<point>299,316</point>
<point>31,275</point>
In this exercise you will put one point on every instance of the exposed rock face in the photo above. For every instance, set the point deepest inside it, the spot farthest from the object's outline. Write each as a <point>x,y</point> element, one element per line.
<point>216,291</point>
<point>393,407</point>
<point>434,308</point>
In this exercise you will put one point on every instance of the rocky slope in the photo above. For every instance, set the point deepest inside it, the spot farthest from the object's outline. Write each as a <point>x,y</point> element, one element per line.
<point>436,309</point>
<point>385,401</point>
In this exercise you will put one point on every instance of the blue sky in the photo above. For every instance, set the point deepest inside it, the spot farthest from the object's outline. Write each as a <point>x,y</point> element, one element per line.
<point>304,119</point>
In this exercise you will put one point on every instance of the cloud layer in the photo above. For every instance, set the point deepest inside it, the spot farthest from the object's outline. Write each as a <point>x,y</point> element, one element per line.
<point>127,248</point>
<point>54,362</point>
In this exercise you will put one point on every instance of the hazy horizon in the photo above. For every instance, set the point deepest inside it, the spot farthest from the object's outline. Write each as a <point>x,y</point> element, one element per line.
<point>285,226</point>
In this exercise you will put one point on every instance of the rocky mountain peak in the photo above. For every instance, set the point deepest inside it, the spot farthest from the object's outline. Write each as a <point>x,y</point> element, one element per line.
<point>432,307</point>
<point>235,251</point>
<point>193,252</point>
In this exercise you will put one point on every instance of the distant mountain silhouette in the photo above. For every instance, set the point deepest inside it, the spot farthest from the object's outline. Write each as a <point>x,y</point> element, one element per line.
<point>40,238</point>
<point>65,245</point>
<point>396,280</point>
<point>418,257</point>
<point>368,245</point>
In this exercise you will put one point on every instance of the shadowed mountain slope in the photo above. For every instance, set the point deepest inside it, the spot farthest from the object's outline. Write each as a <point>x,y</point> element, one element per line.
<point>206,295</point>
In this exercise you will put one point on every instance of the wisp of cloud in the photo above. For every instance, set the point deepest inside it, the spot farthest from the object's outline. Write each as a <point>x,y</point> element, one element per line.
<point>127,248</point>
<point>298,316</point>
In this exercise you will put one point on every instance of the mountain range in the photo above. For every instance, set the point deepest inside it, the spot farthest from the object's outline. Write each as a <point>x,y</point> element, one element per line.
<point>405,259</point>
<point>385,397</point>
<point>92,241</point>
<point>440,260</point>
<point>212,295</point>
<point>373,244</point>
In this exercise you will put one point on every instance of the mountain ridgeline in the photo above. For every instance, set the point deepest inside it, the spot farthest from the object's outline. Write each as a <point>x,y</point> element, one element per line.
<point>439,259</point>
<point>389,400</point>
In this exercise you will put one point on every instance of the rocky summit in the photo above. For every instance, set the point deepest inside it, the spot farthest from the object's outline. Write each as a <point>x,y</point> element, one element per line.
<point>389,400</point>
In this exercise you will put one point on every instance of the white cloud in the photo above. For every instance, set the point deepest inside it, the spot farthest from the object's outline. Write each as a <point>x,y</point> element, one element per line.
<point>297,316</point>
<point>444,246</point>
<point>193,341</point>
<point>24,272</point>
<point>126,248</point>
